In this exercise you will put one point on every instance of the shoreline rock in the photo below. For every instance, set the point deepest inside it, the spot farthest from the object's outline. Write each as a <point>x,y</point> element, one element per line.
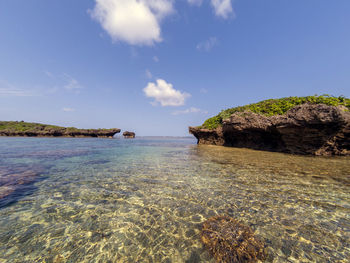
<point>42,130</point>
<point>307,129</point>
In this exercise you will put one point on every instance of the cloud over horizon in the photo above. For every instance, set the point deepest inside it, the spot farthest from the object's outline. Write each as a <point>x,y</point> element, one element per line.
<point>165,94</point>
<point>4,92</point>
<point>9,90</point>
<point>67,109</point>
<point>189,110</point>
<point>136,22</point>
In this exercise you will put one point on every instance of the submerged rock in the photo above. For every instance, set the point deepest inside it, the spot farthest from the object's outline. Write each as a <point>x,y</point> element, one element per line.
<point>16,182</point>
<point>305,129</point>
<point>129,135</point>
<point>229,241</point>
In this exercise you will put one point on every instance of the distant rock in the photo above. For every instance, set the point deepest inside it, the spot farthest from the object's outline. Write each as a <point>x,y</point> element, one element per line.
<point>129,135</point>
<point>26,129</point>
<point>314,129</point>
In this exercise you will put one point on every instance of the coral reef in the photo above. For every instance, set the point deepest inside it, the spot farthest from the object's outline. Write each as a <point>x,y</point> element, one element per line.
<point>16,182</point>
<point>229,241</point>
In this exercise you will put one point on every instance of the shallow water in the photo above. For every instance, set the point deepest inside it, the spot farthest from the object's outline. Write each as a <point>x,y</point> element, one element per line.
<point>143,200</point>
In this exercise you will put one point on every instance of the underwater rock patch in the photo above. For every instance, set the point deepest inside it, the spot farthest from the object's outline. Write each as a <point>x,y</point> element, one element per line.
<point>230,241</point>
<point>16,182</point>
<point>49,154</point>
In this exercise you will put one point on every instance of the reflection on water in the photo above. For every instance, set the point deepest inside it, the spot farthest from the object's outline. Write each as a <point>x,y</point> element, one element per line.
<point>144,200</point>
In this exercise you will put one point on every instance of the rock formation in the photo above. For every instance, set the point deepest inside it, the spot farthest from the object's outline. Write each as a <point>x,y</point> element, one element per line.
<point>314,129</point>
<point>42,130</point>
<point>129,135</point>
<point>230,241</point>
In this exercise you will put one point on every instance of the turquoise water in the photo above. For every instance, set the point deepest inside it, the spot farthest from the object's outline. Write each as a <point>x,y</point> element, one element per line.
<point>143,200</point>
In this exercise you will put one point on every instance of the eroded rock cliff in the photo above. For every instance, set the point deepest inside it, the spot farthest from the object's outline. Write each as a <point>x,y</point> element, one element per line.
<point>314,129</point>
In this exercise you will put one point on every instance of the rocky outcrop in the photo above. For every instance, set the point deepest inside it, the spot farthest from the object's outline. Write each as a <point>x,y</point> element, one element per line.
<point>128,135</point>
<point>62,132</point>
<point>305,129</point>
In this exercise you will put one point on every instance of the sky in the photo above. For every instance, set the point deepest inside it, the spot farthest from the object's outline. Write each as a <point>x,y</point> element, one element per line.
<point>158,66</point>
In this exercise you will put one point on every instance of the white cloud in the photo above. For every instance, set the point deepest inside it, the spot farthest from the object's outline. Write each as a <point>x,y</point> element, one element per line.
<point>66,109</point>
<point>195,2</point>
<point>155,59</point>
<point>208,44</point>
<point>222,8</point>
<point>9,90</point>
<point>136,22</point>
<point>203,90</point>
<point>189,110</point>
<point>49,74</point>
<point>165,94</point>
<point>148,74</point>
<point>72,84</point>
<point>59,83</point>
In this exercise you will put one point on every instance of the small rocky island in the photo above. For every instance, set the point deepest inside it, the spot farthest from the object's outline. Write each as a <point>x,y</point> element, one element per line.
<point>27,129</point>
<point>314,125</point>
<point>128,135</point>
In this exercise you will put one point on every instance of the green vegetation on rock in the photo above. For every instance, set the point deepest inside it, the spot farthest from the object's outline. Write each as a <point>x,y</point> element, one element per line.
<point>275,107</point>
<point>21,128</point>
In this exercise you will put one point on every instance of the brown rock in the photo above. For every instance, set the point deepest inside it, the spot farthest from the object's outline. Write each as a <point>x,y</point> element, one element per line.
<point>230,241</point>
<point>305,129</point>
<point>206,136</point>
<point>129,135</point>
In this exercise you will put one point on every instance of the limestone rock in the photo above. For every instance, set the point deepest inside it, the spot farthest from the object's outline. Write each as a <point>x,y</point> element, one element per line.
<point>129,135</point>
<point>314,129</point>
<point>62,132</point>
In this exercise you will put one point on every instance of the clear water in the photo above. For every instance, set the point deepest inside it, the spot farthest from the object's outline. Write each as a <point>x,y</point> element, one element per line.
<point>143,200</point>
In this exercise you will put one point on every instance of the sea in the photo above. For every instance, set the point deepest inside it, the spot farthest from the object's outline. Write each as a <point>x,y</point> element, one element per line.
<point>145,200</point>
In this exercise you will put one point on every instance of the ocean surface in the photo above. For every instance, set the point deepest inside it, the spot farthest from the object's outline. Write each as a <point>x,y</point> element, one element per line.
<point>144,200</point>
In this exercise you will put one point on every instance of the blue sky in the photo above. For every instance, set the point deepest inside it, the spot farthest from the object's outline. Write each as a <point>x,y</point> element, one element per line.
<point>158,66</point>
